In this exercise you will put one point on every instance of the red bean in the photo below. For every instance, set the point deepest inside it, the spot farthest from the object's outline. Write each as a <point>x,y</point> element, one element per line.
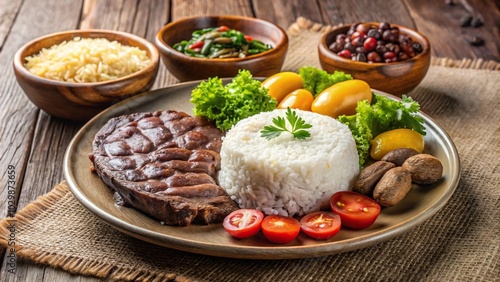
<point>384,26</point>
<point>345,53</point>
<point>349,46</point>
<point>403,56</point>
<point>370,43</point>
<point>374,57</point>
<point>389,55</point>
<point>360,49</point>
<point>388,36</point>
<point>357,41</point>
<point>363,28</point>
<point>361,57</point>
<point>340,39</point>
<point>374,33</point>
<point>358,34</point>
<point>336,47</point>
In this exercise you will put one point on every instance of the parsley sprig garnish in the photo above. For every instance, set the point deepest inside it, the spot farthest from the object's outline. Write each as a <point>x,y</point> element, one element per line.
<point>297,124</point>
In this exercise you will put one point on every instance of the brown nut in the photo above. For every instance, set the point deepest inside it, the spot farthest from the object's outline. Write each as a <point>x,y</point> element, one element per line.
<point>399,156</point>
<point>392,187</point>
<point>424,168</point>
<point>369,176</point>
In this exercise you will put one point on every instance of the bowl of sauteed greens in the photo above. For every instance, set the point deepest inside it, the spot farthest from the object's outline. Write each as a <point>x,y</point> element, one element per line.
<point>200,47</point>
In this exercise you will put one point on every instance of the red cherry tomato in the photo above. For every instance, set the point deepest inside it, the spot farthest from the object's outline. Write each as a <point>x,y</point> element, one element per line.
<point>320,225</point>
<point>356,211</point>
<point>196,45</point>
<point>280,229</point>
<point>223,28</point>
<point>243,223</point>
<point>248,38</point>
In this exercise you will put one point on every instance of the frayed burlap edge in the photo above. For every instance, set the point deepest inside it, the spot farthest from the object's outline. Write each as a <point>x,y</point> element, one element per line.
<point>30,212</point>
<point>70,264</point>
<point>302,24</point>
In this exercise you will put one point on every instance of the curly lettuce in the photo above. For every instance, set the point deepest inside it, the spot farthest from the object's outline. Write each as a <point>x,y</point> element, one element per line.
<point>316,80</point>
<point>228,104</point>
<point>382,115</point>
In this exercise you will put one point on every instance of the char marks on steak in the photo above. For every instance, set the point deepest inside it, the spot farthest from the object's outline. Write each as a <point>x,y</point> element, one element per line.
<point>164,164</point>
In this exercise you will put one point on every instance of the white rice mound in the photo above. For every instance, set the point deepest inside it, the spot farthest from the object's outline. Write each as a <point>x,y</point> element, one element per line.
<point>284,175</point>
<point>87,60</point>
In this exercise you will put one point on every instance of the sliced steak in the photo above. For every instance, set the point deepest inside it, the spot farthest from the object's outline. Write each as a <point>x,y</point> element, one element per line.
<point>164,164</point>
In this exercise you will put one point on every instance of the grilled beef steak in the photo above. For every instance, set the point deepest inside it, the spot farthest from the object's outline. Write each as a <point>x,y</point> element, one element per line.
<point>164,164</point>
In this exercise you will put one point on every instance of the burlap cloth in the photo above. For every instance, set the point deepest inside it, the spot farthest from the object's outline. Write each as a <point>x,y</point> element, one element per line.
<point>459,243</point>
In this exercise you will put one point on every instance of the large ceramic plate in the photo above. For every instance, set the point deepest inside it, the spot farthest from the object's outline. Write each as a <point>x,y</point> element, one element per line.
<point>420,204</point>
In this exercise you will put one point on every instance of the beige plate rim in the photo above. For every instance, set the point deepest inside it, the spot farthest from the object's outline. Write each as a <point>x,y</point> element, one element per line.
<point>420,204</point>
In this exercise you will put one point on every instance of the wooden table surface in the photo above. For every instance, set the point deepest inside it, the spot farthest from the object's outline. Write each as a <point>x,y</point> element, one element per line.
<point>33,143</point>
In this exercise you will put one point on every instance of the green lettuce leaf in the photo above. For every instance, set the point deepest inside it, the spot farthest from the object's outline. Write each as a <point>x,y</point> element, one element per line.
<point>226,105</point>
<point>382,115</point>
<point>316,80</point>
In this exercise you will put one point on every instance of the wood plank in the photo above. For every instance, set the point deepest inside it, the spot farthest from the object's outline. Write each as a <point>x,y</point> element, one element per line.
<point>52,135</point>
<point>440,22</point>
<point>19,116</point>
<point>152,16</point>
<point>8,12</point>
<point>284,12</point>
<point>94,11</point>
<point>189,8</point>
<point>348,12</point>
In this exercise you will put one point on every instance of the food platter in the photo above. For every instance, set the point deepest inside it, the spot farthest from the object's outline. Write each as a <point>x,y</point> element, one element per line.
<point>420,204</point>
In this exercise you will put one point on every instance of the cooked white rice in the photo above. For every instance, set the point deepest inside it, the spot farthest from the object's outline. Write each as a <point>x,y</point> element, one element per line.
<point>284,175</point>
<point>87,60</point>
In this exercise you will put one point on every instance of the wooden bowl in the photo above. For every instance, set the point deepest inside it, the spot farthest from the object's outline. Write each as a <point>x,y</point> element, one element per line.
<point>186,68</point>
<point>396,78</point>
<point>82,101</point>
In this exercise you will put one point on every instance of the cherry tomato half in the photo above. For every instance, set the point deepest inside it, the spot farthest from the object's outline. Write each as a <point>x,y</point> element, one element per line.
<point>280,229</point>
<point>243,223</point>
<point>356,211</point>
<point>342,98</point>
<point>282,83</point>
<point>320,225</point>
<point>299,99</point>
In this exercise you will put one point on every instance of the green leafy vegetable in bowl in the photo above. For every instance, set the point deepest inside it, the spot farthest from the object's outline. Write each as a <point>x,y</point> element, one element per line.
<point>383,114</point>
<point>228,104</point>
<point>220,42</point>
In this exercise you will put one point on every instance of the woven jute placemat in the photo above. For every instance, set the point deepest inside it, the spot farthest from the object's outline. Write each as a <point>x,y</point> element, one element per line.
<point>459,243</point>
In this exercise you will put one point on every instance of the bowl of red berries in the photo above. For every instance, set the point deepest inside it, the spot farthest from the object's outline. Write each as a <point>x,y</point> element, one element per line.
<point>390,57</point>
